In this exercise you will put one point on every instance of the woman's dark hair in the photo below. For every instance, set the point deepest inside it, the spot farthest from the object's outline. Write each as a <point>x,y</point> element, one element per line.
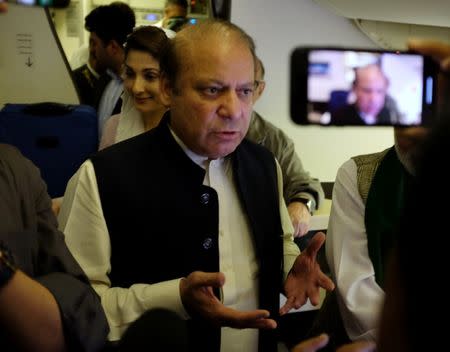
<point>149,39</point>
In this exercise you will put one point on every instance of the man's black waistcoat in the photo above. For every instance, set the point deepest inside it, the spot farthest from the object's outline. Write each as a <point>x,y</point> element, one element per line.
<point>155,205</point>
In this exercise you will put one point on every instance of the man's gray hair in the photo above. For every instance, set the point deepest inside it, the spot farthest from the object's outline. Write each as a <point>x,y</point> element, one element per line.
<point>184,41</point>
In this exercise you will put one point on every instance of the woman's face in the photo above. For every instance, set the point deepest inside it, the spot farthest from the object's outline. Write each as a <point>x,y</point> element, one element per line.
<point>141,80</point>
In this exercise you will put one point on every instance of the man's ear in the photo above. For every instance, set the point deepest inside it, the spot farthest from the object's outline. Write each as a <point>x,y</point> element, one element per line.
<point>259,90</point>
<point>114,47</point>
<point>165,90</point>
<point>113,44</point>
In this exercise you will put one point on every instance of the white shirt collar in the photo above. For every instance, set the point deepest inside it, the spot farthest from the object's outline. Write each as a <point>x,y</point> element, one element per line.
<point>113,75</point>
<point>368,119</point>
<point>200,160</point>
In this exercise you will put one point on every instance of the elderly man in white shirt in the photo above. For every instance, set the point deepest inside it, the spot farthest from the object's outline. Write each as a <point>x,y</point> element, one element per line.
<point>194,191</point>
<point>368,196</point>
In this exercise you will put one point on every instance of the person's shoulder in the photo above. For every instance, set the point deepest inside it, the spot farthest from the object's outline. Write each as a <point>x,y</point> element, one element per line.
<point>346,175</point>
<point>129,153</point>
<point>362,160</point>
<point>256,149</point>
<point>10,153</point>
<point>347,165</point>
<point>80,69</point>
<point>82,74</point>
<point>103,81</point>
<point>346,114</point>
<point>113,121</point>
<point>109,132</point>
<point>372,155</point>
<point>344,109</point>
<point>261,123</point>
<point>8,149</point>
<point>169,33</point>
<point>261,129</point>
<point>18,164</point>
<point>372,158</point>
<point>127,147</point>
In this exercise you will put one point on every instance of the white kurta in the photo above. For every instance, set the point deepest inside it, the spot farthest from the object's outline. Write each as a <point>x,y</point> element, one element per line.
<point>360,297</point>
<point>81,219</point>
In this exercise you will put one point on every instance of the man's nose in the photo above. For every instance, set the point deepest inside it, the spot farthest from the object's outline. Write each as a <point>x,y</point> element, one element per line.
<point>231,105</point>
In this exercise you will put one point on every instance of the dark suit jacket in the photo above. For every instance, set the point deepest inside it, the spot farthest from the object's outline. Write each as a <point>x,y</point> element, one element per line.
<point>348,115</point>
<point>90,88</point>
<point>28,228</point>
<point>146,181</point>
<point>87,85</point>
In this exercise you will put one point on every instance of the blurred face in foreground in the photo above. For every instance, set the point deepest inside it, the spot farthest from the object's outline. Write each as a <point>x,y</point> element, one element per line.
<point>408,144</point>
<point>3,6</point>
<point>211,100</point>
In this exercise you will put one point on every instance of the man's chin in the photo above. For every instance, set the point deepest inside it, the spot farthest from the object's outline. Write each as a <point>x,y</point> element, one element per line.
<point>221,152</point>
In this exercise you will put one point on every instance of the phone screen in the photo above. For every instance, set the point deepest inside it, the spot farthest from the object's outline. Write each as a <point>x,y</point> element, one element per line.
<point>357,87</point>
<point>44,3</point>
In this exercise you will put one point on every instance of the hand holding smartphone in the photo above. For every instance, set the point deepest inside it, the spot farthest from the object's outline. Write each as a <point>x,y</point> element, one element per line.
<point>351,87</point>
<point>42,3</point>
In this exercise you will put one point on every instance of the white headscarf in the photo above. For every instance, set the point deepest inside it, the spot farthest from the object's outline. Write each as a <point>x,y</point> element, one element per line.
<point>130,121</point>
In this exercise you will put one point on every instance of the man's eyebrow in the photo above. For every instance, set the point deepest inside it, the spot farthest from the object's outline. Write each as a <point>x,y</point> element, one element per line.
<point>146,69</point>
<point>249,84</point>
<point>206,81</point>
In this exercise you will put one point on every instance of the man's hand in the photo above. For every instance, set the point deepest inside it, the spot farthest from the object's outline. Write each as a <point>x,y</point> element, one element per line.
<point>316,343</point>
<point>300,218</point>
<point>440,51</point>
<point>199,300</point>
<point>305,277</point>
<point>56,205</point>
<point>3,6</point>
<point>313,344</point>
<point>359,346</point>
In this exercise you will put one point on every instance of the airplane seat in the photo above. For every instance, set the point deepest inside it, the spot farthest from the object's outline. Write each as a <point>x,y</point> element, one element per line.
<point>338,98</point>
<point>57,138</point>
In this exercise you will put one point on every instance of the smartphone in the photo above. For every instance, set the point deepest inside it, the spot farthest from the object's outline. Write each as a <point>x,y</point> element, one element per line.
<point>43,3</point>
<point>353,87</point>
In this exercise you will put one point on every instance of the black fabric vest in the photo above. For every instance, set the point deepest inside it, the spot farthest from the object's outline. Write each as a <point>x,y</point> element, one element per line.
<point>155,204</point>
<point>384,206</point>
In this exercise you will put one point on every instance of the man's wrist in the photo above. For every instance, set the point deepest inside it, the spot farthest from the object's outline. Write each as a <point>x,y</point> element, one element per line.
<point>308,202</point>
<point>7,265</point>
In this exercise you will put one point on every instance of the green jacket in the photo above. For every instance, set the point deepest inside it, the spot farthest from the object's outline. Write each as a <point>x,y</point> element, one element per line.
<point>296,180</point>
